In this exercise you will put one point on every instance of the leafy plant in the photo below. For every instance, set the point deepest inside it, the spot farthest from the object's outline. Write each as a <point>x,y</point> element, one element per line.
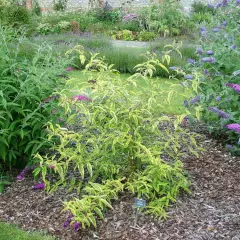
<point>60,5</point>
<point>125,35</point>
<point>113,141</point>
<point>215,75</point>
<point>36,9</point>
<point>146,36</point>
<point>26,89</point>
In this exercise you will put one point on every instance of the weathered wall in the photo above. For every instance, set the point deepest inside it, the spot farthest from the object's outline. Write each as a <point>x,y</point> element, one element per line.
<point>76,4</point>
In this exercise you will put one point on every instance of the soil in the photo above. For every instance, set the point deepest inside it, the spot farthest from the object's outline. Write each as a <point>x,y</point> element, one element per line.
<point>211,211</point>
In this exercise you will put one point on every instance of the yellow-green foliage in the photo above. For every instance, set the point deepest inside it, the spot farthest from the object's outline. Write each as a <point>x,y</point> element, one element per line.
<point>115,143</point>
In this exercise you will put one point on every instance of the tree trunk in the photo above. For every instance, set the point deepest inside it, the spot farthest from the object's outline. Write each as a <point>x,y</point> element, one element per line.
<point>29,4</point>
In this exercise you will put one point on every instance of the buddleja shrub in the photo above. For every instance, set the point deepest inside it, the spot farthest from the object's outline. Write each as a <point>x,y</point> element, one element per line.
<point>116,140</point>
<point>26,87</point>
<point>215,75</point>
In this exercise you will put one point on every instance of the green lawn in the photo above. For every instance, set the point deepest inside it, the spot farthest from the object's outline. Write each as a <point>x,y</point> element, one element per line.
<point>9,232</point>
<point>176,104</point>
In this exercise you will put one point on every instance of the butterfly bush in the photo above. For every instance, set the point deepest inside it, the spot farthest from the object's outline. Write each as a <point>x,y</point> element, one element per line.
<point>218,73</point>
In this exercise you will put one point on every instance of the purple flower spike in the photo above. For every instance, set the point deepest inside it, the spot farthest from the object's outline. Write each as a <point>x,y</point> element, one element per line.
<point>185,103</point>
<point>68,221</point>
<point>81,98</point>
<point>24,172</point>
<point>234,126</point>
<point>218,98</point>
<point>69,69</point>
<point>233,47</point>
<point>210,52</point>
<point>39,186</point>
<point>175,68</point>
<point>229,146</point>
<point>215,30</point>
<point>234,86</point>
<point>203,29</point>
<point>76,226</point>
<point>20,177</point>
<point>224,23</point>
<point>211,5</point>
<point>238,2</point>
<point>191,61</point>
<point>221,113</point>
<point>195,100</point>
<point>205,71</point>
<point>189,77</point>
<point>200,51</point>
<point>209,59</point>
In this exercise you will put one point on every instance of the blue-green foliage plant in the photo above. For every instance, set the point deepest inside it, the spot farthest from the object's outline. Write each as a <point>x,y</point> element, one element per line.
<point>26,88</point>
<point>215,73</point>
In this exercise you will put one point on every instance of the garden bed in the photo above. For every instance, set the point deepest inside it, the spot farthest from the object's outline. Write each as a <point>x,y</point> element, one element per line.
<point>211,211</point>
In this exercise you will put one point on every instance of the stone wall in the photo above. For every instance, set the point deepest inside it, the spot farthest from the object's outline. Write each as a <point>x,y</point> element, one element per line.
<point>76,4</point>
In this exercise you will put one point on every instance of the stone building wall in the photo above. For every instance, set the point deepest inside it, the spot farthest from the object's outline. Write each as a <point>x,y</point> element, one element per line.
<point>76,4</point>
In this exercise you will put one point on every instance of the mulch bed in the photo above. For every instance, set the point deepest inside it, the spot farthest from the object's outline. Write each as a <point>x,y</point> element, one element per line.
<point>211,211</point>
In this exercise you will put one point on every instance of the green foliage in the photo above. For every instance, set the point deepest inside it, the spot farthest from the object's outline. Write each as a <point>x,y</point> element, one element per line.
<point>200,7</point>
<point>146,36</point>
<point>24,84</point>
<point>201,17</point>
<point>113,142</point>
<point>15,16</point>
<point>166,19</point>
<point>36,8</point>
<point>4,180</point>
<point>9,232</point>
<point>60,5</point>
<point>125,35</point>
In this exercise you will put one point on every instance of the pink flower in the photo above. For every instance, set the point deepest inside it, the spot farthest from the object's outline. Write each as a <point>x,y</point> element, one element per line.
<point>69,69</point>
<point>234,86</point>
<point>234,126</point>
<point>51,167</point>
<point>39,186</point>
<point>81,98</point>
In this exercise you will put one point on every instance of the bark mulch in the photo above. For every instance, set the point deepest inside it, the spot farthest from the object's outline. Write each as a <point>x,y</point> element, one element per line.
<point>211,211</point>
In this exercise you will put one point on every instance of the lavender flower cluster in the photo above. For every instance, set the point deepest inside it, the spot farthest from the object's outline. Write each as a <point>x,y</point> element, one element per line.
<point>234,86</point>
<point>130,17</point>
<point>81,98</point>
<point>68,222</point>
<point>234,126</point>
<point>221,113</point>
<point>24,172</point>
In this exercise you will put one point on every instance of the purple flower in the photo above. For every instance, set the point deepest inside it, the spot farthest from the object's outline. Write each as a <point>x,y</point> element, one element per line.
<point>224,23</point>
<point>224,3</point>
<point>51,167</point>
<point>39,186</point>
<point>191,61</point>
<point>189,77</point>
<point>205,71</point>
<point>234,126</point>
<point>218,98</point>
<point>185,103</point>
<point>210,52</point>
<point>209,59</point>
<point>130,17</point>
<point>215,30</point>
<point>219,5</point>
<point>200,51</point>
<point>25,171</point>
<point>76,226</point>
<point>68,221</point>
<point>229,146</point>
<point>234,86</point>
<point>175,68</point>
<point>210,5</point>
<point>69,69</point>
<point>195,100</point>
<point>221,113</point>
<point>238,2</point>
<point>203,29</point>
<point>81,98</point>
<point>233,47</point>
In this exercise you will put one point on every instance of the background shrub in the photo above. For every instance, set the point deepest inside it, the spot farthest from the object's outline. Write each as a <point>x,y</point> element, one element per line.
<point>26,84</point>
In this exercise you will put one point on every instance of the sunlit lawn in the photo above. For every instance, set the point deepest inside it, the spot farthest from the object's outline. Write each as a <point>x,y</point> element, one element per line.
<point>9,232</point>
<point>166,85</point>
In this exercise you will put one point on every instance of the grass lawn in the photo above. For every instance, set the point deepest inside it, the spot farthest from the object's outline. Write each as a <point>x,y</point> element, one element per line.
<point>9,232</point>
<point>176,104</point>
